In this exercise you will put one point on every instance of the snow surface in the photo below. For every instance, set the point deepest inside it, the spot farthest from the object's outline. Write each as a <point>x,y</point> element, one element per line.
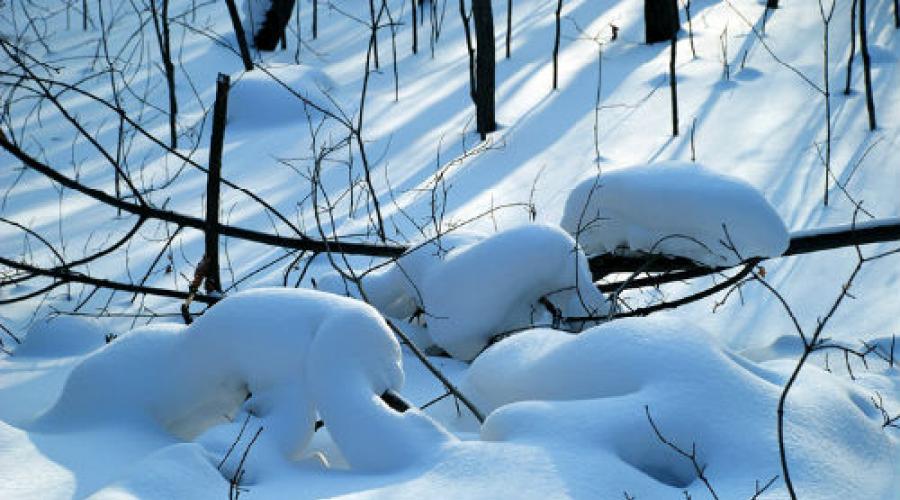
<point>567,415</point>
<point>260,100</point>
<point>279,355</point>
<point>674,208</point>
<point>472,289</point>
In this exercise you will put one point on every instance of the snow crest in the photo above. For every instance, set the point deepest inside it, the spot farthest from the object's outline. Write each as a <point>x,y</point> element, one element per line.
<point>674,208</point>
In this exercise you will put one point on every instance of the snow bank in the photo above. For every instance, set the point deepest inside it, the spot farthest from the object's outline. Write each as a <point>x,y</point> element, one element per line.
<point>674,208</point>
<point>472,288</point>
<point>587,394</point>
<point>258,101</point>
<point>294,352</point>
<point>61,336</point>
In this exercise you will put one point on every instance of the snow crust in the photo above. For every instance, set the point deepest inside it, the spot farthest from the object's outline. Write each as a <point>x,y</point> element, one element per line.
<point>293,352</point>
<point>474,287</point>
<point>674,208</point>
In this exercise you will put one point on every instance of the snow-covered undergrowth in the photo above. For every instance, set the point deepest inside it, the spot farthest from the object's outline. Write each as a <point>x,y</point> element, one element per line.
<point>674,208</point>
<point>162,411</point>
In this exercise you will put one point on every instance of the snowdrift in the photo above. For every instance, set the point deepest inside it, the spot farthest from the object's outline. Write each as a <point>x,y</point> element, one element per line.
<point>470,288</point>
<point>279,355</point>
<point>674,208</point>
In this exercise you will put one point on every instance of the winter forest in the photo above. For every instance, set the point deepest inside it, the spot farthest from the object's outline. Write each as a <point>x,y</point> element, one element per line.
<point>588,249</point>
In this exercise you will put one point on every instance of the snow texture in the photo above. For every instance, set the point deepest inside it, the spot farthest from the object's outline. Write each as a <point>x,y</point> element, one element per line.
<point>674,208</point>
<point>473,288</point>
<point>61,336</point>
<point>588,392</point>
<point>266,99</point>
<point>295,352</point>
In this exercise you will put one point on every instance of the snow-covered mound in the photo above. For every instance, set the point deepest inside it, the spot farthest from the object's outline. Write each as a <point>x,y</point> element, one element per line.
<point>674,208</point>
<point>259,99</point>
<point>473,288</point>
<point>293,352</point>
<point>61,336</point>
<point>588,392</point>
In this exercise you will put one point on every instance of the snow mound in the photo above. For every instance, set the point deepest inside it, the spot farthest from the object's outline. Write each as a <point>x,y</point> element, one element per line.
<point>179,471</point>
<point>587,394</point>
<point>259,100</point>
<point>277,355</point>
<point>674,208</point>
<point>471,288</point>
<point>61,336</point>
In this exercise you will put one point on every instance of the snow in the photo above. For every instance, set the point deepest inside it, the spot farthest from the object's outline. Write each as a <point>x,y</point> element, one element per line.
<point>674,208</point>
<point>61,336</point>
<point>260,100</point>
<point>279,355</point>
<point>153,413</point>
<point>588,392</point>
<point>454,280</point>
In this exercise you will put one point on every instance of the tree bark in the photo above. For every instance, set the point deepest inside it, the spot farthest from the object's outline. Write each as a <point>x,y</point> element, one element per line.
<point>852,47</point>
<point>867,64</point>
<point>661,20</point>
<point>509,10</point>
<point>484,66</point>
<point>559,4</point>
<point>239,33</point>
<point>673,84</point>
<point>217,140</point>
<point>272,28</point>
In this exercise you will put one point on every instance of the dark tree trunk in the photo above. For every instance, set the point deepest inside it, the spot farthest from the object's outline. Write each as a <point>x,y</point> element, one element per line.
<point>272,28</point>
<point>470,48</point>
<point>415,27</point>
<point>867,64</point>
<point>484,66</point>
<point>239,33</point>
<point>661,20</point>
<point>216,142</point>
<point>897,13</point>
<point>673,85</point>
<point>852,47</point>
<point>509,9</point>
<point>315,19</point>
<point>559,4</point>
<point>772,4</point>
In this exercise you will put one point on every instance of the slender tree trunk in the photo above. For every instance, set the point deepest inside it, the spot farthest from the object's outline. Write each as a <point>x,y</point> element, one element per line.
<point>415,27</point>
<point>509,9</point>
<point>239,33</point>
<point>660,20</point>
<point>559,4</point>
<point>867,64</point>
<point>484,65</point>
<point>84,15</point>
<point>161,25</point>
<point>211,254</point>
<point>852,46</point>
<point>315,19</point>
<point>470,47</point>
<point>374,32</point>
<point>673,84</point>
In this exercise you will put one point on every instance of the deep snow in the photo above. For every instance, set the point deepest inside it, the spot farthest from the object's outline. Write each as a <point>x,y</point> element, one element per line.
<point>152,414</point>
